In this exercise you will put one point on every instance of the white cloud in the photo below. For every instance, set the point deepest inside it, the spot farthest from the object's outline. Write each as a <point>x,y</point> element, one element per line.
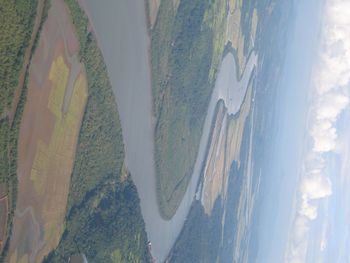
<point>330,98</point>
<point>316,186</point>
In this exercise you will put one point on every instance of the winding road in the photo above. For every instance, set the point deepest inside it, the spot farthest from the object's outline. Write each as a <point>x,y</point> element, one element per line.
<point>121,30</point>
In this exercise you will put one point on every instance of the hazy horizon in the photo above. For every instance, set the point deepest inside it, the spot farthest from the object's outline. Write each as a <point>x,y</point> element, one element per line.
<point>308,165</point>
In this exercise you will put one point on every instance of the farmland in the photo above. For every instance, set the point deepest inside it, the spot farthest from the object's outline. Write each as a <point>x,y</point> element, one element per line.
<point>47,139</point>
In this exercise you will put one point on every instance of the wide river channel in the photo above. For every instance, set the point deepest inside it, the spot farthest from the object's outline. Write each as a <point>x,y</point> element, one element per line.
<point>120,26</point>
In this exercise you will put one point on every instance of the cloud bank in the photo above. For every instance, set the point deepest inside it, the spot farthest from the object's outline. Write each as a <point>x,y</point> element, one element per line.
<point>330,97</point>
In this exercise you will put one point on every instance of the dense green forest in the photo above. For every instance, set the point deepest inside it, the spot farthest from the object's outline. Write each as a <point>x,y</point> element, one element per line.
<point>103,218</point>
<point>184,57</point>
<point>16,24</point>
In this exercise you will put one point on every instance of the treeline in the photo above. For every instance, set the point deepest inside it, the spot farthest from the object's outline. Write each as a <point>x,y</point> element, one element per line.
<point>103,217</point>
<point>16,25</point>
<point>182,53</point>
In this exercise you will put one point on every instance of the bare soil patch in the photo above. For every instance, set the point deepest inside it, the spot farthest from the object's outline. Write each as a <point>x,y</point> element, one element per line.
<point>3,190</point>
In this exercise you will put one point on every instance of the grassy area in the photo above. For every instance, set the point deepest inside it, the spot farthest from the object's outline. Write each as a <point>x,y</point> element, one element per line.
<point>103,217</point>
<point>187,45</point>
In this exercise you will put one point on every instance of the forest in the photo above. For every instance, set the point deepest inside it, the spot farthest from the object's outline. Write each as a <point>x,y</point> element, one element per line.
<point>16,24</point>
<point>103,217</point>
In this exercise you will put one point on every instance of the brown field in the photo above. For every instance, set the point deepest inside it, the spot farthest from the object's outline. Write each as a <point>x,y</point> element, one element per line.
<point>3,219</point>
<point>214,166</point>
<point>224,148</point>
<point>3,213</point>
<point>235,131</point>
<point>3,190</point>
<point>48,135</point>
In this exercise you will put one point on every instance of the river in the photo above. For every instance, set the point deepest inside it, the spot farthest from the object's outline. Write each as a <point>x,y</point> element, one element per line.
<point>120,26</point>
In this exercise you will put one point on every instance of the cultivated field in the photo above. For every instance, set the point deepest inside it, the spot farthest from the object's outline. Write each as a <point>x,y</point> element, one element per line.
<point>224,148</point>
<point>49,130</point>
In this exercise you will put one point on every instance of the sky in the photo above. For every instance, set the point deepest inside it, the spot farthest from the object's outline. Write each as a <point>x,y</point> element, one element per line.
<point>321,214</point>
<point>306,210</point>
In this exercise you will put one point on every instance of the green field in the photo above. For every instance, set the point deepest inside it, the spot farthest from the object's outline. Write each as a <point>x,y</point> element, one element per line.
<point>103,218</point>
<point>187,46</point>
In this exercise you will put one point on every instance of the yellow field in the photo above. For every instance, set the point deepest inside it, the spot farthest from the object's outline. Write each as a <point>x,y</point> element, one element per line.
<point>53,163</point>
